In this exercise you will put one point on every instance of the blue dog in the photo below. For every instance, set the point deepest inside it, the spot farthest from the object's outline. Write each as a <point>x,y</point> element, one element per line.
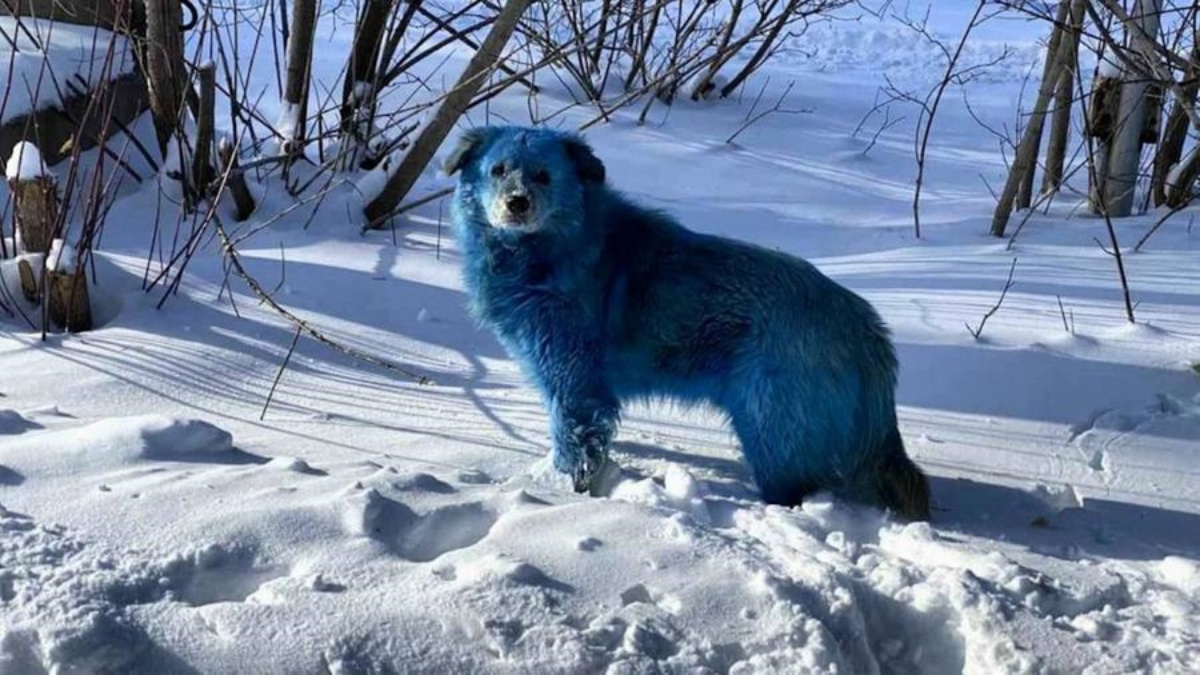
<point>602,301</point>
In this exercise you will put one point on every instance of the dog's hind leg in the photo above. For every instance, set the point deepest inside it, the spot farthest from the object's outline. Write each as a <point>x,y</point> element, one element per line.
<point>781,444</point>
<point>798,429</point>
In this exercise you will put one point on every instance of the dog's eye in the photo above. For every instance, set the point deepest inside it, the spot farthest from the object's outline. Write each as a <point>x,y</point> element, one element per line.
<point>542,177</point>
<point>498,170</point>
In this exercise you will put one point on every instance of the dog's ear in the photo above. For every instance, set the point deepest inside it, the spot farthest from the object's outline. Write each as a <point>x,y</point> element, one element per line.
<point>587,165</point>
<point>471,141</point>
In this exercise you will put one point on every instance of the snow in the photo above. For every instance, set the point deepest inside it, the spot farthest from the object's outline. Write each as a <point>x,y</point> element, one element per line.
<point>62,256</point>
<point>289,120</point>
<point>65,56</point>
<point>25,163</point>
<point>155,518</point>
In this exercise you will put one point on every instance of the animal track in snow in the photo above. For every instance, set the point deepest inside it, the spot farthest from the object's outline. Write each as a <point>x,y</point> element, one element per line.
<point>412,536</point>
<point>216,574</point>
<point>446,529</point>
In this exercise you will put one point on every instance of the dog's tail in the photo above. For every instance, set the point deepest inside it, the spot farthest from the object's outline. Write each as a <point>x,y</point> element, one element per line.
<point>902,486</point>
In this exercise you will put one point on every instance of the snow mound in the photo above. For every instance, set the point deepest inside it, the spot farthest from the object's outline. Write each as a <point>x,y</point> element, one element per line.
<point>116,442</point>
<point>153,437</point>
<point>25,163</point>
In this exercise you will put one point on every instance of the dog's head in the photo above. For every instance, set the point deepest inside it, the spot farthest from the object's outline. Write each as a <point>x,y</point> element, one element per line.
<point>522,179</point>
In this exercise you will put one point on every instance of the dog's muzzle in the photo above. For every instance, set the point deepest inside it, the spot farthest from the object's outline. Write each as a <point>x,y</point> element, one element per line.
<point>513,211</point>
<point>518,205</point>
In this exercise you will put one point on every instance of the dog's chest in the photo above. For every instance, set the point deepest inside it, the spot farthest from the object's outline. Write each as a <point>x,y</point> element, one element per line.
<point>507,288</point>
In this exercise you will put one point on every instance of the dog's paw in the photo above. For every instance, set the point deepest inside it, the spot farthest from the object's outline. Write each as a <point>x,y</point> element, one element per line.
<point>597,477</point>
<point>582,477</point>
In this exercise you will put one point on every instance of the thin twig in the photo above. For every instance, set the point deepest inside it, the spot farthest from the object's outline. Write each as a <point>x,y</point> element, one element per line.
<point>977,332</point>
<point>278,376</point>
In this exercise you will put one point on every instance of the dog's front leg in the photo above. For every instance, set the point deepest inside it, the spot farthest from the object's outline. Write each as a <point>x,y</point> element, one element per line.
<point>581,432</point>
<point>584,413</point>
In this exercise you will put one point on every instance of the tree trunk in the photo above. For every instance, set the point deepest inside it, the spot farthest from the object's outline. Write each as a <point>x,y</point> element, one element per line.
<point>1060,125</point>
<point>455,104</point>
<point>467,40</point>
<point>364,57</point>
<point>1026,155</point>
<point>639,58</point>
<point>764,50</point>
<point>1126,150</point>
<point>166,77</point>
<point>1181,178</point>
<point>396,36</point>
<point>705,85</point>
<point>299,72</point>
<point>1176,132</point>
<point>1054,57</point>
<point>357,113</point>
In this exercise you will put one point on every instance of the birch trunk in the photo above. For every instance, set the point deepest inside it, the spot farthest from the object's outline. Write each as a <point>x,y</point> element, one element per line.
<point>455,104</point>
<point>1125,151</point>
<point>299,71</point>
<point>1026,155</point>
<point>1049,70</point>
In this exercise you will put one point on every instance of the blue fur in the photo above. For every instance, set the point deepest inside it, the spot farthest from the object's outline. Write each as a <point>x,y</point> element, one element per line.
<point>602,301</point>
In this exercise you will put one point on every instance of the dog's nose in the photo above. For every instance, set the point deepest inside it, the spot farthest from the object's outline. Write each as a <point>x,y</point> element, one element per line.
<point>518,205</point>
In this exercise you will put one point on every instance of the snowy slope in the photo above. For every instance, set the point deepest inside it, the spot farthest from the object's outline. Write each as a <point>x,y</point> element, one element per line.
<point>151,522</point>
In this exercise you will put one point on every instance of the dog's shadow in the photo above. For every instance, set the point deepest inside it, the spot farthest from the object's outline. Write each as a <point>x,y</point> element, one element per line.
<point>1101,527</point>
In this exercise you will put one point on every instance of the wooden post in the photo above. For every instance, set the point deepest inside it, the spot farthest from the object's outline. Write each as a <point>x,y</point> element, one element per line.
<point>453,106</point>
<point>35,195</point>
<point>243,201</point>
<point>1125,151</point>
<point>299,71</point>
<point>202,170</point>
<point>165,73</point>
<point>1053,58</point>
<point>1026,155</point>
<point>1060,121</point>
<point>68,299</point>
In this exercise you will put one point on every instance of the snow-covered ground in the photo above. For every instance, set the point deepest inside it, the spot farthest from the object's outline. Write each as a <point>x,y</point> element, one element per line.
<point>152,522</point>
